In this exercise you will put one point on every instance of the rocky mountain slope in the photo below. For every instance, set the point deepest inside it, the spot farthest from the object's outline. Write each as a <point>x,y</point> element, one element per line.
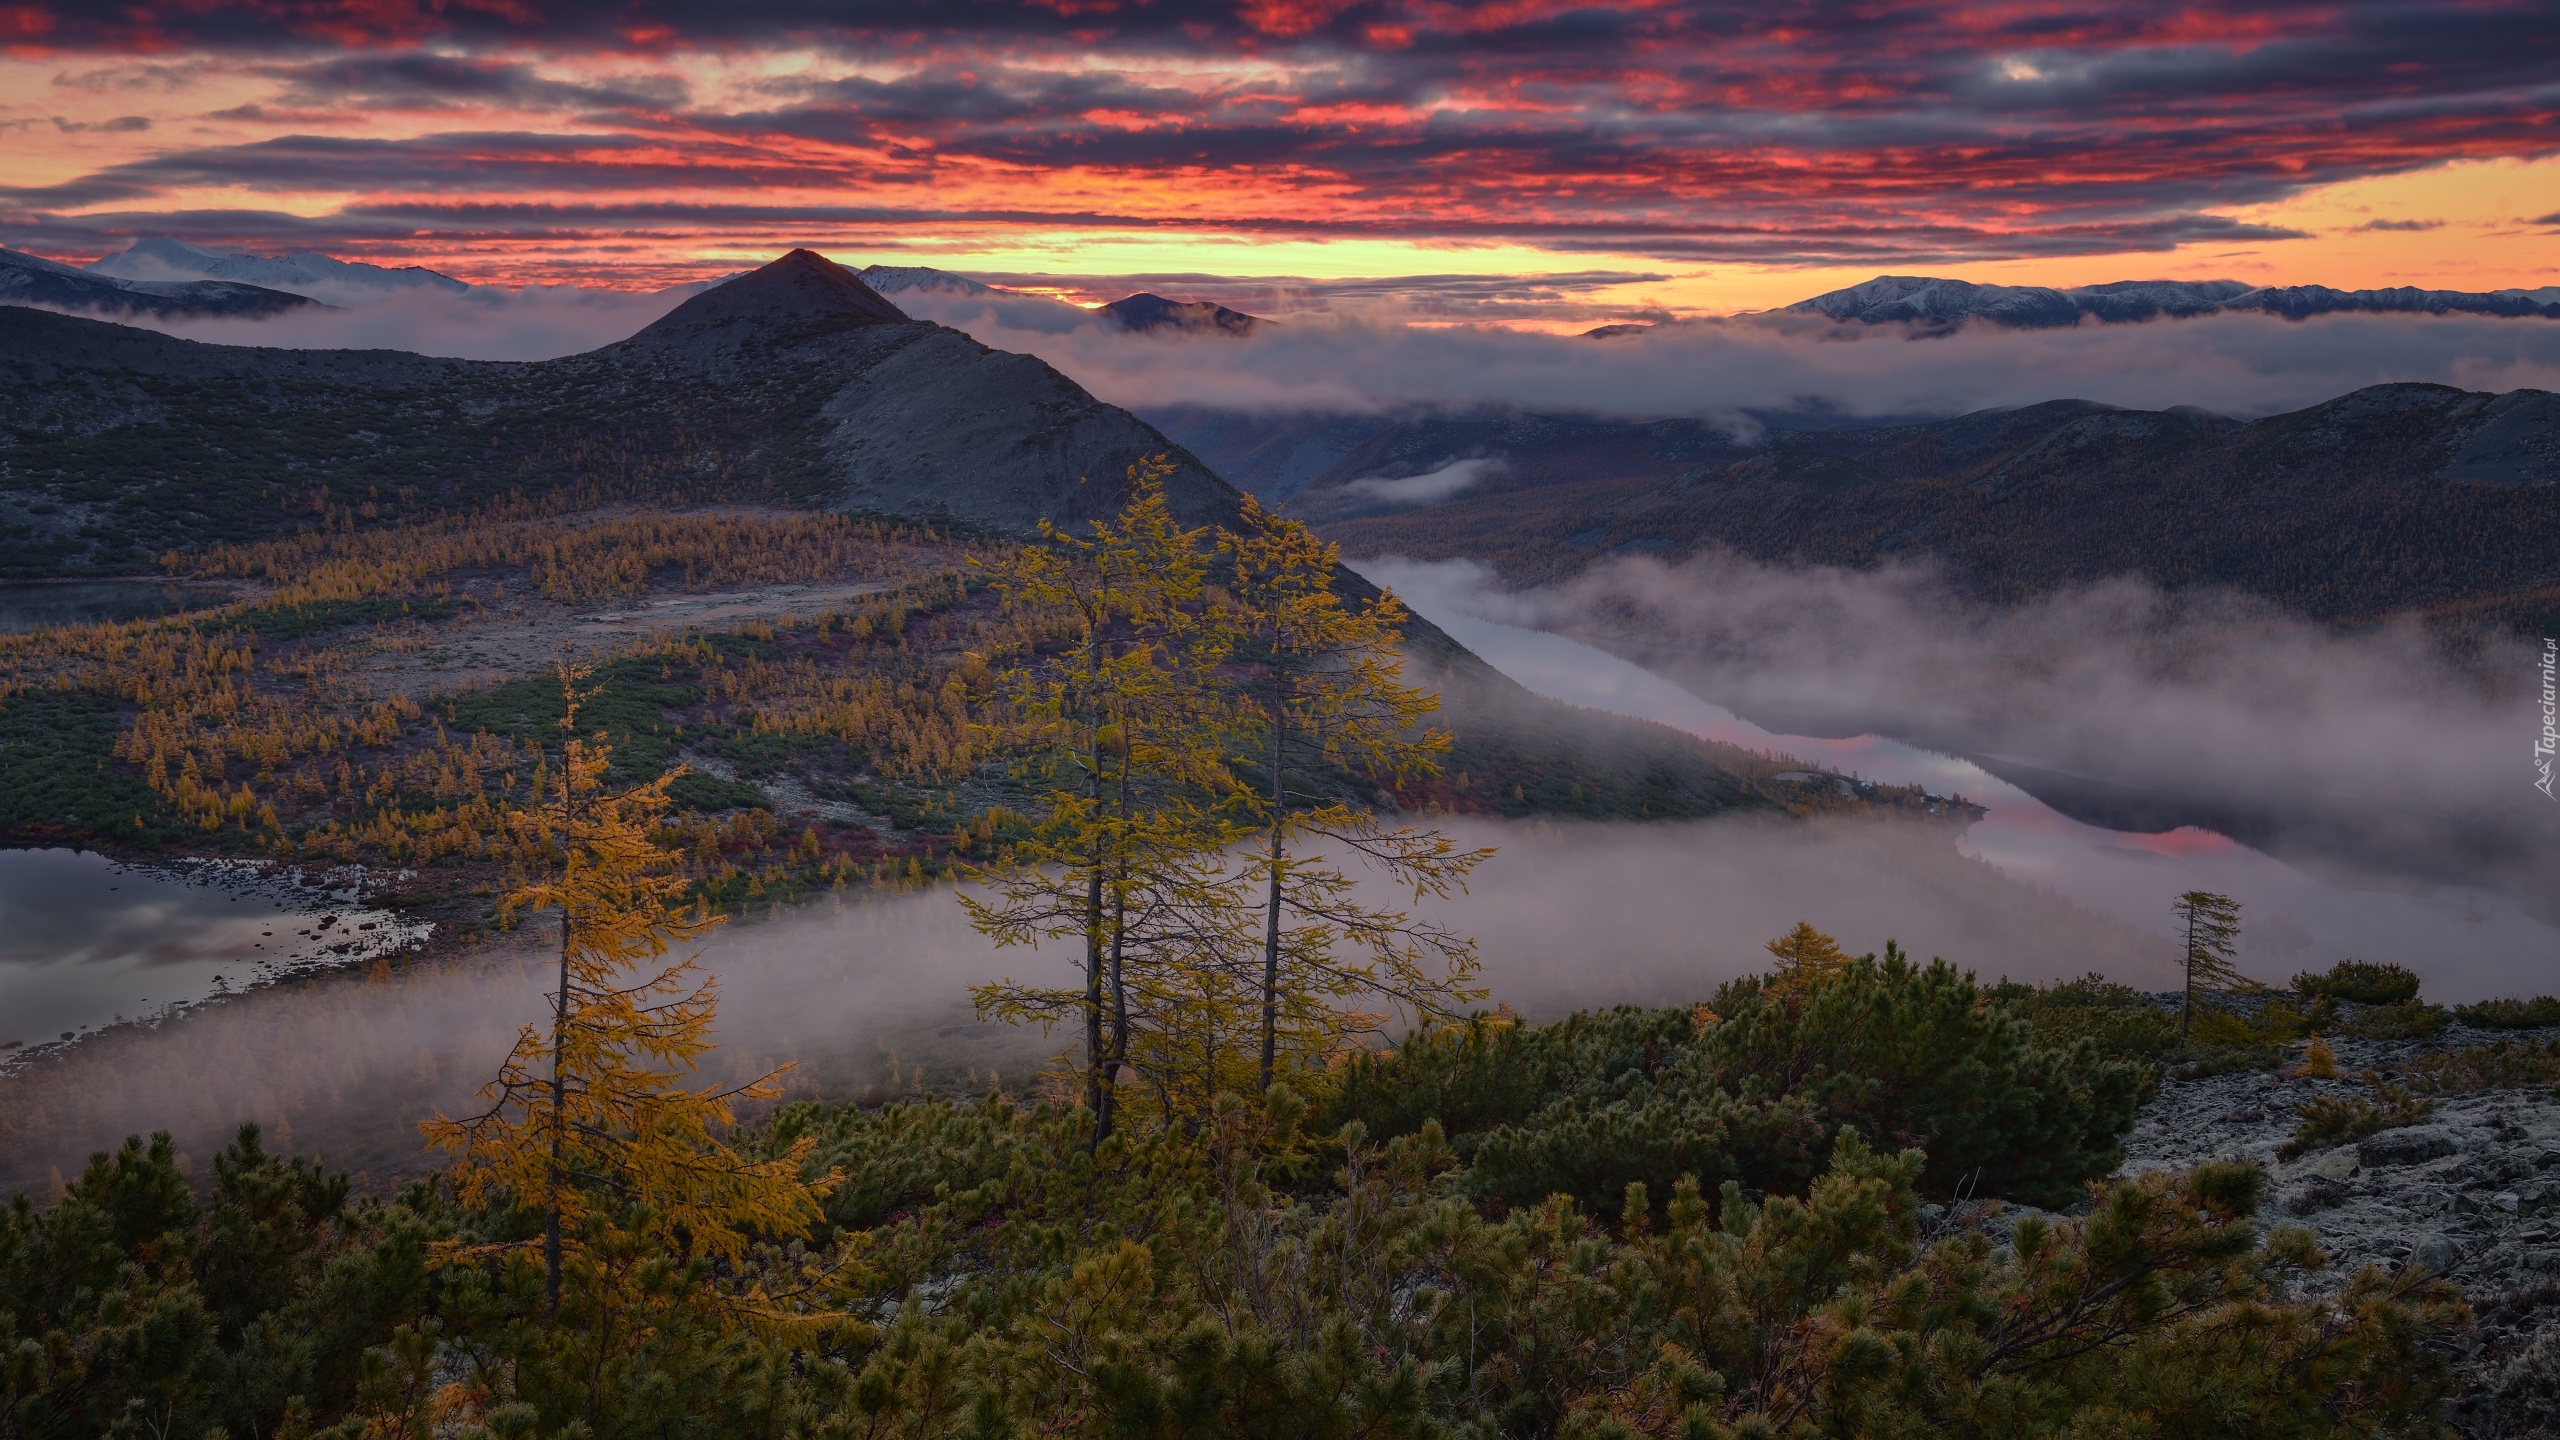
<point>2392,497</point>
<point>2472,1194</point>
<point>796,383</point>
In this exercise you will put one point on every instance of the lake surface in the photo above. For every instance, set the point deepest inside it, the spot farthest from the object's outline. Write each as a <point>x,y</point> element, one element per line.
<point>87,942</point>
<point>2469,943</point>
<point>34,605</point>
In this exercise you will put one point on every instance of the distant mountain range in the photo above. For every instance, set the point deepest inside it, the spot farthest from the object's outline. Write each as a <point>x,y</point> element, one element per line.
<point>150,278</point>
<point>305,273</point>
<point>2389,498</point>
<point>33,280</point>
<point>1924,300</point>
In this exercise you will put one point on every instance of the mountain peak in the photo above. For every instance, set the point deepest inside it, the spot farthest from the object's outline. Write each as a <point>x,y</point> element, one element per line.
<point>1145,311</point>
<point>802,286</point>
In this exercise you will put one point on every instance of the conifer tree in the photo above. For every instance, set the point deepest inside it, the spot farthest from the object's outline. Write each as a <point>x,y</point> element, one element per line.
<point>1121,728</point>
<point>590,1119</point>
<point>1325,713</point>
<point>2212,941</point>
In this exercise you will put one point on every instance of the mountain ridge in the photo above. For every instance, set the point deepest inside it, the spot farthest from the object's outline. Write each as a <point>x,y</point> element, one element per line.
<point>33,280</point>
<point>2398,496</point>
<point>1932,301</point>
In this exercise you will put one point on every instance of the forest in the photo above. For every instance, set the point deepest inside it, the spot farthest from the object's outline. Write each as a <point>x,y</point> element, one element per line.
<point>1289,1175</point>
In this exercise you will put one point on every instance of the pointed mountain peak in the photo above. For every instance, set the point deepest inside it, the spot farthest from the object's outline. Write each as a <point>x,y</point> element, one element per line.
<point>801,287</point>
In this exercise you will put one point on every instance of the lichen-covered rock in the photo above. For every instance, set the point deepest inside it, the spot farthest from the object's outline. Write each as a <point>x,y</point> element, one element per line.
<point>2413,1146</point>
<point>2472,1195</point>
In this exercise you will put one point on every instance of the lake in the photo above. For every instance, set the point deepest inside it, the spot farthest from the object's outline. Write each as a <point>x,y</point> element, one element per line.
<point>87,942</point>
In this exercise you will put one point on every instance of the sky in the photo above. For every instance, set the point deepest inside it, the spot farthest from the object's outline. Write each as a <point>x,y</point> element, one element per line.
<point>1649,157</point>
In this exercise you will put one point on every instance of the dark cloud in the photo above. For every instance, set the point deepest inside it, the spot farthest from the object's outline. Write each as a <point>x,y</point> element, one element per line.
<point>2399,225</point>
<point>420,80</point>
<point>1835,132</point>
<point>121,125</point>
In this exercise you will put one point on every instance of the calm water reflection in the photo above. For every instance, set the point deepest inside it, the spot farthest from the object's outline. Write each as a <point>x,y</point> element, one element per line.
<point>33,605</point>
<point>86,941</point>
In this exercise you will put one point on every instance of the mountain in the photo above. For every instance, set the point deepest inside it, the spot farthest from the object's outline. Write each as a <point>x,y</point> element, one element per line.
<point>796,383</point>
<point>2389,498</point>
<point>890,279</point>
<point>33,280</point>
<point>1146,313</point>
<point>305,273</point>
<point>1937,303</point>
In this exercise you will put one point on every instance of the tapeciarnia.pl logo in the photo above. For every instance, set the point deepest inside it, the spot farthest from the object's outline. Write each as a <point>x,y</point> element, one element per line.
<point>2549,741</point>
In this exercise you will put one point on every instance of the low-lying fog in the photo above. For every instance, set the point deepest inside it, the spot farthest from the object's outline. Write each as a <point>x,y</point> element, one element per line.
<point>860,985</point>
<point>2373,754</point>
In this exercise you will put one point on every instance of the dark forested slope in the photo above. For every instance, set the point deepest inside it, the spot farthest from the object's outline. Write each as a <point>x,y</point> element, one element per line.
<point>2392,497</point>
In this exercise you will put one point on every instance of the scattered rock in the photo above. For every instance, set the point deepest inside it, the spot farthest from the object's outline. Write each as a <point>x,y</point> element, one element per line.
<point>2436,1254</point>
<point>2413,1146</point>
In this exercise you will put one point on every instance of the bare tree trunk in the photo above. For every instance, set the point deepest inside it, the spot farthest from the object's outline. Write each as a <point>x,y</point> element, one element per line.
<point>2187,1006</point>
<point>1094,1095</point>
<point>1271,916</point>
<point>559,1056</point>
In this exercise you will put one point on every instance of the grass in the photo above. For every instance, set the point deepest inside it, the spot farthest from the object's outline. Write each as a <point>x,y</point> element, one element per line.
<point>2329,1121</point>
<point>300,621</point>
<point>59,776</point>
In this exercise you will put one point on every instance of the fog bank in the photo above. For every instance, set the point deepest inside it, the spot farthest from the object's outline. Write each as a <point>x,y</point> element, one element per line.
<point>867,991</point>
<point>1371,362</point>
<point>2373,749</point>
<point>482,323</point>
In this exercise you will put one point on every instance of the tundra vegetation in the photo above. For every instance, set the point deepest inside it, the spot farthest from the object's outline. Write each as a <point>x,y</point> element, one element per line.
<point>1299,1185</point>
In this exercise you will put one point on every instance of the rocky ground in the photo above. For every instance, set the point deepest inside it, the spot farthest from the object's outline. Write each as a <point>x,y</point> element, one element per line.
<point>2471,1194</point>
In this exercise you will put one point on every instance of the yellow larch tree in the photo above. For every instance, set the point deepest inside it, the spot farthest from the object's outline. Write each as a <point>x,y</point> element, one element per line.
<point>1117,732</point>
<point>1325,714</point>
<point>1804,955</point>
<point>591,1122</point>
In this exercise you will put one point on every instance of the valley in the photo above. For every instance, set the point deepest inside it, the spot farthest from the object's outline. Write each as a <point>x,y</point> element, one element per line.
<point>297,648</point>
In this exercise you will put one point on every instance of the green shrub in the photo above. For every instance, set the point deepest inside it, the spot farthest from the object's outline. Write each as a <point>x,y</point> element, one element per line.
<point>2365,982</point>
<point>2533,1014</point>
<point>2221,1041</point>
<point>2498,1065</point>
<point>1898,1051</point>
<point>2122,1022</point>
<point>2332,1120</point>
<point>2407,1020</point>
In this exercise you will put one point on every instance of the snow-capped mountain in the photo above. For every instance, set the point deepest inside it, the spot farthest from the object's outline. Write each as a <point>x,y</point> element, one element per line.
<point>1931,301</point>
<point>891,278</point>
<point>52,285</point>
<point>306,273</point>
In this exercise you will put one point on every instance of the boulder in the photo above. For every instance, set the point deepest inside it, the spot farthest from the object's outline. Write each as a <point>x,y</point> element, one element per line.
<point>2413,1146</point>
